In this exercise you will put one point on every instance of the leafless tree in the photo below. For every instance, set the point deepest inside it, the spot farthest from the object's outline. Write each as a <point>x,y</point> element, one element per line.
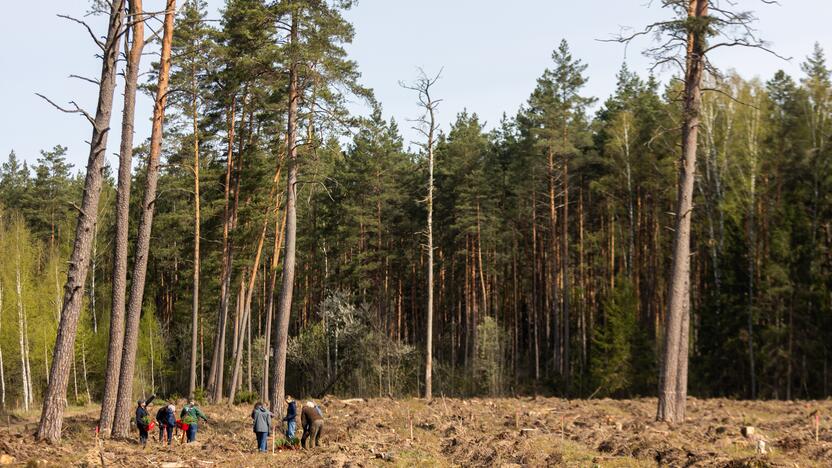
<point>427,126</point>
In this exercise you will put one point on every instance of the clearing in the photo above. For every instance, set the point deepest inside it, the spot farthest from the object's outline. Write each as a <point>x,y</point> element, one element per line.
<point>449,432</point>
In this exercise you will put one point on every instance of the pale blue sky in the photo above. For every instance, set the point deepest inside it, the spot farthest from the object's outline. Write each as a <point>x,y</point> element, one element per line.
<point>492,52</point>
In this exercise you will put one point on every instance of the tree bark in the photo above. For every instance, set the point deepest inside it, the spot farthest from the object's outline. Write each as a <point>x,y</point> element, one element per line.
<point>429,314</point>
<point>552,284</point>
<point>25,372</point>
<point>673,376</point>
<point>120,251</point>
<point>134,307</point>
<point>245,321</point>
<point>564,239</point>
<point>267,349</point>
<point>195,308</point>
<point>2,366</point>
<point>290,236</point>
<point>54,400</point>
<point>217,357</point>
<point>534,341</point>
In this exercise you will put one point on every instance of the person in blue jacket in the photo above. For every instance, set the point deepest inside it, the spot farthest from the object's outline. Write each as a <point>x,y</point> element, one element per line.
<point>262,421</point>
<point>169,421</point>
<point>291,417</point>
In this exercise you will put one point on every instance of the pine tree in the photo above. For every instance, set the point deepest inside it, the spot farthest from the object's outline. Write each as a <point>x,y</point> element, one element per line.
<point>191,52</point>
<point>134,45</point>
<point>134,303</point>
<point>317,71</point>
<point>53,403</point>
<point>613,362</point>
<point>556,111</point>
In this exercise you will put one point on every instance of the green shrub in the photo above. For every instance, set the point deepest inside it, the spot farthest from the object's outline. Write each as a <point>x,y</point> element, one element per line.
<point>244,396</point>
<point>82,400</point>
<point>199,395</point>
<point>282,442</point>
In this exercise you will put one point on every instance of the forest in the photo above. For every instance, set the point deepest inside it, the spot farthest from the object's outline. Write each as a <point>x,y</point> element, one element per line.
<point>266,240</point>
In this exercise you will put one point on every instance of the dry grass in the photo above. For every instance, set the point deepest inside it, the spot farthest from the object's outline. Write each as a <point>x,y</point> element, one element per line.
<point>474,432</point>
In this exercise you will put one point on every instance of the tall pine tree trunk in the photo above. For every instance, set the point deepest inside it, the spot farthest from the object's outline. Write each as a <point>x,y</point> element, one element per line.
<point>564,239</point>
<point>245,321</point>
<point>267,349</point>
<point>134,307</point>
<point>552,284</point>
<point>284,307</point>
<point>195,308</point>
<point>673,375</point>
<point>217,357</point>
<point>54,400</point>
<point>119,274</point>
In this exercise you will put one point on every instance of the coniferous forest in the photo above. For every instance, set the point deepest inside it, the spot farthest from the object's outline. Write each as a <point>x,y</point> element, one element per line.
<point>266,240</point>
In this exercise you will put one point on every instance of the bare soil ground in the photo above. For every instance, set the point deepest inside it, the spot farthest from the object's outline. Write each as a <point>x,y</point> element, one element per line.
<point>474,432</point>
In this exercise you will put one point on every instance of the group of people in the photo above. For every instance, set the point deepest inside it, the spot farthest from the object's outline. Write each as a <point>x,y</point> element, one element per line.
<point>187,423</point>
<point>311,419</point>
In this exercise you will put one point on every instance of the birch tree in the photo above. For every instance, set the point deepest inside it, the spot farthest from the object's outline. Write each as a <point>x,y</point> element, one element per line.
<point>23,331</point>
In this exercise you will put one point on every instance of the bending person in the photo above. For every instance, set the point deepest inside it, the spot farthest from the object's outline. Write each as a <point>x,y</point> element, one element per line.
<point>312,420</point>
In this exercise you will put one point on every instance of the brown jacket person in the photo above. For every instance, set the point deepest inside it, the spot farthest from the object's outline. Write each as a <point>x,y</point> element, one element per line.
<point>312,421</point>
